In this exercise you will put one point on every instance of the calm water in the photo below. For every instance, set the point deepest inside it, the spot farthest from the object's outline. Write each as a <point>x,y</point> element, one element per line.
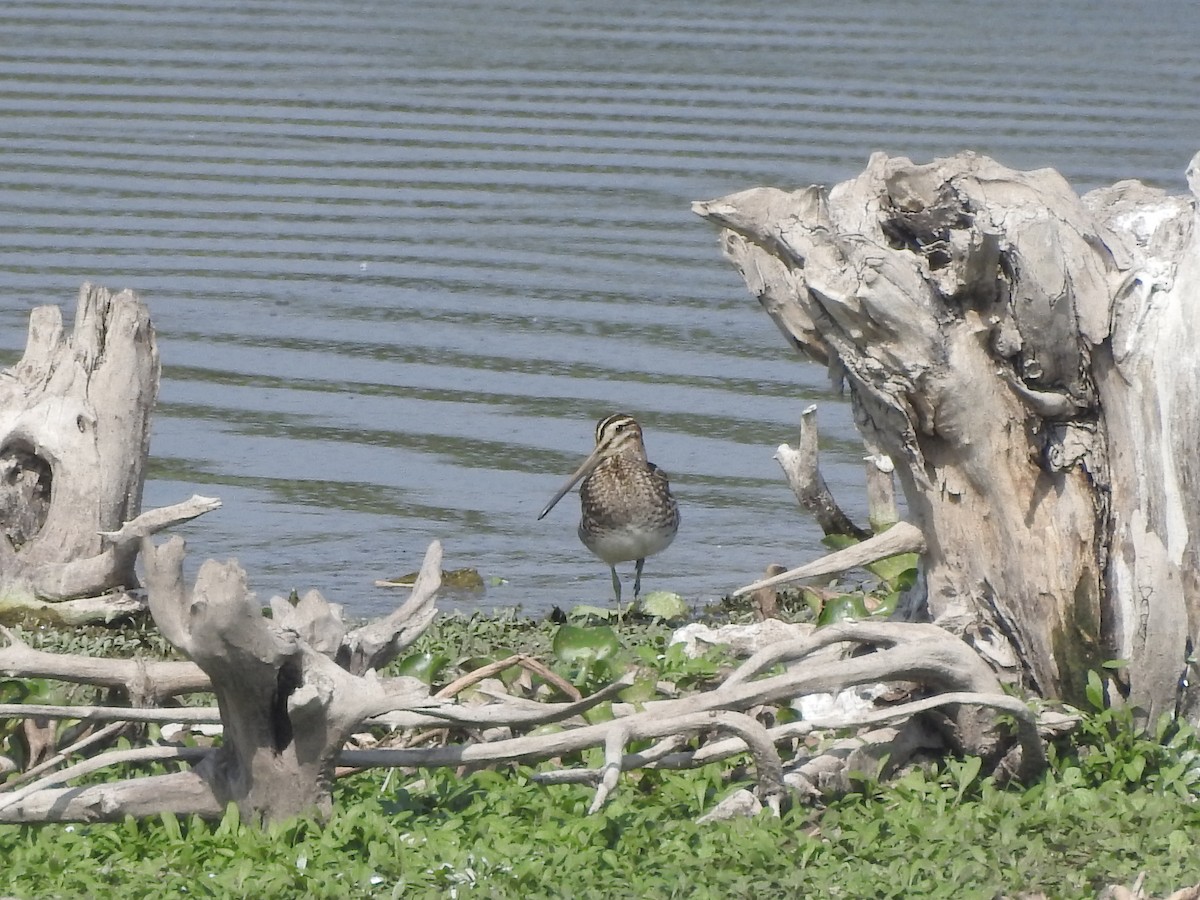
<point>402,256</point>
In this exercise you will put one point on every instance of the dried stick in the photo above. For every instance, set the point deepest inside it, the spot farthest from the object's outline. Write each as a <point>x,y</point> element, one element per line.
<point>881,493</point>
<point>150,679</point>
<point>191,715</point>
<point>1033,753</point>
<point>95,738</point>
<point>511,711</point>
<point>723,749</point>
<point>494,668</point>
<point>643,759</point>
<point>614,750</point>
<point>801,466</point>
<point>900,538</point>
<point>156,520</point>
<point>375,645</point>
<point>115,758</point>
<point>881,634</point>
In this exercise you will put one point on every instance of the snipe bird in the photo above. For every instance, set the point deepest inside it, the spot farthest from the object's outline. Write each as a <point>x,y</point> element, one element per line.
<point>628,510</point>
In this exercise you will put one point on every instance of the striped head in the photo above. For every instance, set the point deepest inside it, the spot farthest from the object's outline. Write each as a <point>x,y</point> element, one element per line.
<point>618,435</point>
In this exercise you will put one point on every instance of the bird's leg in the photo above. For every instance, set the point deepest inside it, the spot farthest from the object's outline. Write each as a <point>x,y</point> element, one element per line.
<point>637,578</point>
<point>616,591</point>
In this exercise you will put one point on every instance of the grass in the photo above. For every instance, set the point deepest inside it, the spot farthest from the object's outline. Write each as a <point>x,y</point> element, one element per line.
<point>496,834</point>
<point>1116,801</point>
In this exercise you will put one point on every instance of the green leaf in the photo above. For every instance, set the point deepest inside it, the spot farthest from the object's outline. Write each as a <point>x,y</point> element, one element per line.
<point>839,541</point>
<point>424,666</point>
<point>579,644</point>
<point>598,714</point>
<point>640,691</point>
<point>1095,690</point>
<point>886,604</point>
<point>840,609</point>
<point>899,571</point>
<point>965,774</point>
<point>664,605</point>
<point>1135,768</point>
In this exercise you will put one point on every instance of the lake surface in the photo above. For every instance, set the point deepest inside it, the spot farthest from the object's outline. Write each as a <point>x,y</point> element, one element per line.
<point>401,257</point>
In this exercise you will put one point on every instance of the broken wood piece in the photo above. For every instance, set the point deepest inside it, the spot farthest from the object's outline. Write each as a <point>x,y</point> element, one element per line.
<point>287,707</point>
<point>614,751</point>
<point>765,600</point>
<point>146,680</point>
<point>103,610</point>
<point>111,730</point>
<point>882,513</point>
<point>900,538</point>
<point>197,715</point>
<point>375,645</point>
<point>802,468</point>
<point>181,793</point>
<point>495,668</point>
<point>156,520</point>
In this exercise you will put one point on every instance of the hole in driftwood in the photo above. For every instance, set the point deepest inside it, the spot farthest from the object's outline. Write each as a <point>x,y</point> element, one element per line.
<point>290,677</point>
<point>26,480</point>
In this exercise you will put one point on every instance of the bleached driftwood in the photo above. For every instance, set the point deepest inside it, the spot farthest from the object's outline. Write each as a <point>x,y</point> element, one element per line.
<point>288,708</point>
<point>1027,358</point>
<point>922,655</point>
<point>74,435</point>
<point>900,538</point>
<point>801,466</point>
<point>145,681</point>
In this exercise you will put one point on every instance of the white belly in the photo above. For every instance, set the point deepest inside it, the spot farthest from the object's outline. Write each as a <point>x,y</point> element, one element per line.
<point>627,543</point>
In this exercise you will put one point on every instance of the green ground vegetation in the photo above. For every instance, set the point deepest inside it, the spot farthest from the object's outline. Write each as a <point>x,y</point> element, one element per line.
<point>1116,800</point>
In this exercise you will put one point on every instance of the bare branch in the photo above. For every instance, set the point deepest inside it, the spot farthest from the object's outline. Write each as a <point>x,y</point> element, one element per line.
<point>95,764</point>
<point>193,715</point>
<point>151,679</point>
<point>79,746</point>
<point>900,538</point>
<point>614,749</point>
<point>374,646</point>
<point>181,793</point>
<point>802,468</point>
<point>881,492</point>
<point>494,668</point>
<point>157,520</point>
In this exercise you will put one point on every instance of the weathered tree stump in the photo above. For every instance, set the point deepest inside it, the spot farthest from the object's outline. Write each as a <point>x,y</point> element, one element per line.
<point>286,705</point>
<point>74,438</point>
<point>1028,359</point>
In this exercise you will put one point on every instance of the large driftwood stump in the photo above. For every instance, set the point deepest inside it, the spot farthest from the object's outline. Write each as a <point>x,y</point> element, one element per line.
<point>286,704</point>
<point>1028,358</point>
<point>74,438</point>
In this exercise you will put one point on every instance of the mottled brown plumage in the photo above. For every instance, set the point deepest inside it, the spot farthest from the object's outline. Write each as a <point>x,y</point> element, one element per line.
<point>628,512</point>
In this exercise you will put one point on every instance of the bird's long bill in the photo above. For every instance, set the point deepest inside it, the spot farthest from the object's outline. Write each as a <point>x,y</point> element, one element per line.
<point>585,467</point>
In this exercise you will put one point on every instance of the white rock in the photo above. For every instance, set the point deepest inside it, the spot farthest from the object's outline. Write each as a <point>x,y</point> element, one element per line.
<point>740,803</point>
<point>742,640</point>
